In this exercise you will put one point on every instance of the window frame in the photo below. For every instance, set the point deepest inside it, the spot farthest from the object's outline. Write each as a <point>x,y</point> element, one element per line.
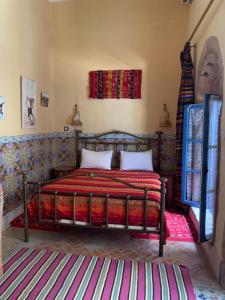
<point>186,141</point>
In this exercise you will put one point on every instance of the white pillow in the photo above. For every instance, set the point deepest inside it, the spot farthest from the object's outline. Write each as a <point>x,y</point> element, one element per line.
<point>136,160</point>
<point>96,160</point>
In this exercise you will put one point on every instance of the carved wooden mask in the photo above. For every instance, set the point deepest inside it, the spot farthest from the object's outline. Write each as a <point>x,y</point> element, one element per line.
<point>209,79</point>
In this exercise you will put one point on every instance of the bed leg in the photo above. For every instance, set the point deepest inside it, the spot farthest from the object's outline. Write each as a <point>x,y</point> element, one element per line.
<point>161,246</point>
<point>162,211</point>
<point>26,228</point>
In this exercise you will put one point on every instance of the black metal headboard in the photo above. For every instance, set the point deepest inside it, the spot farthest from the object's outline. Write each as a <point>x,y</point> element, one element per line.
<point>119,140</point>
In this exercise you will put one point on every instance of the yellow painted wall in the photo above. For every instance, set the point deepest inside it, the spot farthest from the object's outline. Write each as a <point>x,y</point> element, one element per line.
<point>213,25</point>
<point>117,34</point>
<point>25,50</point>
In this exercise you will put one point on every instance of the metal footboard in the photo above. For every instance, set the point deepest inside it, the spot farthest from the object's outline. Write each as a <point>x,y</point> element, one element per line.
<point>74,195</point>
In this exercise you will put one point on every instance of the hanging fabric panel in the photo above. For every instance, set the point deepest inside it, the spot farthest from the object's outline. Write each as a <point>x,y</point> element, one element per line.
<point>186,96</point>
<point>115,84</point>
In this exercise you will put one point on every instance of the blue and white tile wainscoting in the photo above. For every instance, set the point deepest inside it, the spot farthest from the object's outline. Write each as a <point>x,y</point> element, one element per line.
<point>37,154</point>
<point>34,154</point>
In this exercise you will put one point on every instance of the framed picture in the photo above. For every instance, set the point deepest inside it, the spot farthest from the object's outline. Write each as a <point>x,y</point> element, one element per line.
<point>2,107</point>
<point>28,103</point>
<point>44,99</point>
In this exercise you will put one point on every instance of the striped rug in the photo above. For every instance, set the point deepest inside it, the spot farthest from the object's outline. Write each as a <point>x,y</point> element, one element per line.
<point>41,274</point>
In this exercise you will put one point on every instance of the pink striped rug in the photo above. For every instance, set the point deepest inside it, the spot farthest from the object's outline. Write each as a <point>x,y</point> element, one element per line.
<point>41,274</point>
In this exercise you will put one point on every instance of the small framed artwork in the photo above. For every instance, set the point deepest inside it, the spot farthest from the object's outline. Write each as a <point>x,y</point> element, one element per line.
<point>28,103</point>
<point>44,99</point>
<point>2,107</point>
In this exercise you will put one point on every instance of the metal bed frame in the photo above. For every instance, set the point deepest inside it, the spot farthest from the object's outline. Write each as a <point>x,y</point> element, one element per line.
<point>94,140</point>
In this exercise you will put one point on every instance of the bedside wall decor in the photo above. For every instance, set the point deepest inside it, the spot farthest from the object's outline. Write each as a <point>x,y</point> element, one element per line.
<point>44,99</point>
<point>2,107</point>
<point>115,84</point>
<point>28,103</point>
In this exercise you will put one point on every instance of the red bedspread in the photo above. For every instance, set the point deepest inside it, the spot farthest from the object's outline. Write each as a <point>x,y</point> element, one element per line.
<point>101,186</point>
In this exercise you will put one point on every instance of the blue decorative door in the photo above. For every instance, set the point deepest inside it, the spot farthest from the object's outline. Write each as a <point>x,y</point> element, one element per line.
<point>212,111</point>
<point>192,154</point>
<point>200,161</point>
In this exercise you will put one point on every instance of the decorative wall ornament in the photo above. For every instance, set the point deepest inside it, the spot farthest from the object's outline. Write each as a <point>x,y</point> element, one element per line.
<point>115,84</point>
<point>28,103</point>
<point>210,74</point>
<point>165,118</point>
<point>44,99</point>
<point>2,107</point>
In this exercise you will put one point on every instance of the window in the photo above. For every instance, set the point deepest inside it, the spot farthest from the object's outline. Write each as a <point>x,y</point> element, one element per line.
<point>200,160</point>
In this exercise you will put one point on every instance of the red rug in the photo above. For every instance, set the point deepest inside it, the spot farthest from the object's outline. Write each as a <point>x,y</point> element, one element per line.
<point>180,228</point>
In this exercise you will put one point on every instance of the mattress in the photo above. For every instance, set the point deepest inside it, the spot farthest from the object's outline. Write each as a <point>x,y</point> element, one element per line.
<point>99,186</point>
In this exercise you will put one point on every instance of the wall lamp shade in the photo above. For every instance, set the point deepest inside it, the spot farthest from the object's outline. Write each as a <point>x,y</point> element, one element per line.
<point>76,117</point>
<point>165,118</point>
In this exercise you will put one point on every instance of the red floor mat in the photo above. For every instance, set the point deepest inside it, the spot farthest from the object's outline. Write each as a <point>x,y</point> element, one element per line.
<point>180,228</point>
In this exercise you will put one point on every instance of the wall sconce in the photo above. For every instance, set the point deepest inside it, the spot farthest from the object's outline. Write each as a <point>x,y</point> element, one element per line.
<point>164,120</point>
<point>76,118</point>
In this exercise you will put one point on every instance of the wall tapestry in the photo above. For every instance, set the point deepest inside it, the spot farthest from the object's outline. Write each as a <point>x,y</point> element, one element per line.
<point>115,84</point>
<point>2,107</point>
<point>28,103</point>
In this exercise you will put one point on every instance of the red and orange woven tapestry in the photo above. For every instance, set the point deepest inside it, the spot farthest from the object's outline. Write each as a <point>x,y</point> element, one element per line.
<point>115,84</point>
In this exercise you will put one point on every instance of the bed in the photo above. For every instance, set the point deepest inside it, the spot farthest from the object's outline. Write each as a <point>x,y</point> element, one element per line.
<point>109,199</point>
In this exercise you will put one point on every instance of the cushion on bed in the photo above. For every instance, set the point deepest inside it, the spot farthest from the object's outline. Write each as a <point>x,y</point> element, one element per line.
<point>97,160</point>
<point>136,160</point>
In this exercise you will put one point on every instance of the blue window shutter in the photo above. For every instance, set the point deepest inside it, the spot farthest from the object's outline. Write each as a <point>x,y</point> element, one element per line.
<point>212,111</point>
<point>191,157</point>
<point>200,160</point>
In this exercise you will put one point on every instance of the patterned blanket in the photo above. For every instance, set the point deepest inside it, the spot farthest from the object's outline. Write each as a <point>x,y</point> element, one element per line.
<point>99,187</point>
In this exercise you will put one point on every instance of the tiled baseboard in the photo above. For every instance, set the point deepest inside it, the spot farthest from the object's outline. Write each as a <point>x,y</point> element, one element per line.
<point>34,154</point>
<point>32,137</point>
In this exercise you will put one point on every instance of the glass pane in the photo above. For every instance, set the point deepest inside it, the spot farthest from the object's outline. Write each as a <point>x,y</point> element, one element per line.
<point>212,163</point>
<point>194,156</point>
<point>214,113</point>
<point>193,187</point>
<point>196,123</point>
<point>212,169</point>
<point>210,214</point>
